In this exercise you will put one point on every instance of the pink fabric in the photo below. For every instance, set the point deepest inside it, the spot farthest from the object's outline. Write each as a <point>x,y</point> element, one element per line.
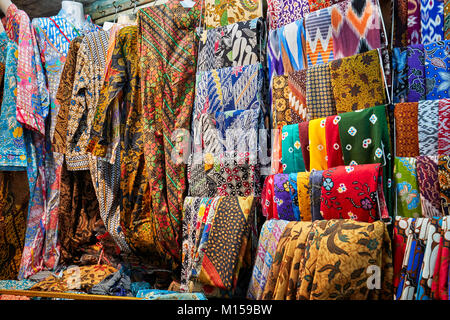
<point>444,127</point>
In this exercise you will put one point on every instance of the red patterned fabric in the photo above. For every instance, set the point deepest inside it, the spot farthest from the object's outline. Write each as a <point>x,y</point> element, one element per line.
<point>444,127</point>
<point>303,133</point>
<point>334,149</point>
<point>269,207</point>
<point>350,192</point>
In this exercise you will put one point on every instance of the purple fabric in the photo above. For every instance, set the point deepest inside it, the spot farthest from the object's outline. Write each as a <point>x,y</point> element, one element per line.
<point>292,10</point>
<point>413,22</point>
<point>416,73</point>
<point>427,178</point>
<point>282,197</point>
<point>274,52</point>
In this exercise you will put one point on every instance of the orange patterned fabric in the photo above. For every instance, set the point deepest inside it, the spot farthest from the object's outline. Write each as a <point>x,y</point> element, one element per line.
<point>406,129</point>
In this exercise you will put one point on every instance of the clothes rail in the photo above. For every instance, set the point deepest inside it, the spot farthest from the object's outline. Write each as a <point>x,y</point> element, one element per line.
<point>64,295</point>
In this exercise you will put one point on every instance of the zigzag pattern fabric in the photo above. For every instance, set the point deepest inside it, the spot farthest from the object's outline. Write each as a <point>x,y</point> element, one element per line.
<point>319,40</point>
<point>356,27</point>
<point>432,21</point>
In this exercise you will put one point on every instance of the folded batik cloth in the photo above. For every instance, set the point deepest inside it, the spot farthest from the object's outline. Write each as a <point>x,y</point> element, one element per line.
<point>224,12</point>
<point>291,151</point>
<point>428,127</point>
<point>416,73</point>
<point>400,83</point>
<point>353,192</point>
<point>437,63</point>
<point>406,129</point>
<point>319,92</point>
<point>427,178</point>
<point>237,44</point>
<point>444,182</point>
<point>408,197</point>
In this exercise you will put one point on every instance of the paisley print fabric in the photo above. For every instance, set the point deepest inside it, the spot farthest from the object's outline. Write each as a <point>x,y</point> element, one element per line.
<point>428,117</point>
<point>225,12</point>
<point>416,73</point>
<point>427,177</point>
<point>238,44</point>
<point>437,70</point>
<point>406,129</point>
<point>408,197</point>
<point>283,12</point>
<point>357,82</point>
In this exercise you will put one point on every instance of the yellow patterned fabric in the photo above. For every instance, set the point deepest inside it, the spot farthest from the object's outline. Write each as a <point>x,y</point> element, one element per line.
<point>224,12</point>
<point>303,192</point>
<point>317,144</point>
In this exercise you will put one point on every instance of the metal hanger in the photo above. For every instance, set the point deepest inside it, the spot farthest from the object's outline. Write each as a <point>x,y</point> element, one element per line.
<point>116,10</point>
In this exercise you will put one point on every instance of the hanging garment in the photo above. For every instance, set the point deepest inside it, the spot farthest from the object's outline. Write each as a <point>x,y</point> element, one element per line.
<point>437,70</point>
<point>432,21</point>
<point>357,82</point>
<point>167,93</point>
<point>227,243</point>
<point>428,127</point>
<point>237,44</point>
<point>406,129</point>
<point>444,182</point>
<point>319,40</point>
<point>13,154</point>
<point>353,192</point>
<point>303,133</point>
<point>269,237</point>
<point>408,197</point>
<point>283,12</point>
<point>292,157</point>
<point>399,60</point>
<point>414,22</point>
<point>289,99</point>
<point>356,27</point>
<point>315,187</point>
<point>317,144</point>
<point>402,228</point>
<point>416,73</point>
<point>427,177</point>
<point>337,254</point>
<point>319,93</point>
<point>293,46</point>
<point>335,157</point>
<point>225,12</point>
<point>429,259</point>
<point>14,197</point>
<point>444,127</point>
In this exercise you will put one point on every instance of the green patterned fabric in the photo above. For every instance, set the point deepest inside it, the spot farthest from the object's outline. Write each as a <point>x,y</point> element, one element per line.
<point>407,193</point>
<point>291,151</point>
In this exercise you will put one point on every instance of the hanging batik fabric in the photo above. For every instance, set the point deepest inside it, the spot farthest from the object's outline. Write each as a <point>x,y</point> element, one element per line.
<point>428,117</point>
<point>437,76</point>
<point>292,157</point>
<point>317,144</point>
<point>400,23</point>
<point>283,12</point>
<point>406,129</point>
<point>282,197</point>
<point>319,93</point>
<point>225,12</point>
<point>427,177</point>
<point>268,204</point>
<point>444,127</point>
<point>400,84</point>
<point>335,157</point>
<point>303,133</point>
<point>315,186</point>
<point>446,20</point>
<point>237,44</point>
<point>444,182</point>
<point>13,154</point>
<point>293,46</point>
<point>356,26</point>
<point>432,21</point>
<point>357,82</point>
<point>167,93</point>
<point>351,192</point>
<point>414,22</point>
<point>302,198</point>
<point>319,41</point>
<point>408,197</point>
<point>402,227</point>
<point>416,73</point>
<point>269,237</point>
<point>439,286</point>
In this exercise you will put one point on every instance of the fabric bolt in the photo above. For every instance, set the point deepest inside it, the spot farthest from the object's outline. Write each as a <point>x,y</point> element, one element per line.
<point>292,157</point>
<point>429,259</point>
<point>115,284</point>
<point>444,127</point>
<point>406,129</point>
<point>225,12</point>
<point>413,259</point>
<point>319,40</point>
<point>432,21</point>
<point>317,144</point>
<point>402,228</point>
<point>319,93</point>
<point>227,242</point>
<point>293,46</point>
<point>270,235</point>
<point>353,192</point>
<point>408,197</point>
<point>416,73</point>
<point>304,196</point>
<point>167,93</point>
<point>356,27</point>
<point>444,182</point>
<point>357,82</point>
<point>400,22</point>
<point>436,70</point>
<point>336,256</point>
<point>427,178</point>
<point>414,22</point>
<point>237,44</point>
<point>315,181</point>
<point>428,127</point>
<point>303,132</point>
<point>268,204</point>
<point>399,64</point>
<point>282,197</point>
<point>13,155</point>
<point>335,157</point>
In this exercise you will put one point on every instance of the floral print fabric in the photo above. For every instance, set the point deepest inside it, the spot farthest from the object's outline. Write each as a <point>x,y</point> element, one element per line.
<point>437,70</point>
<point>408,197</point>
<point>225,12</point>
<point>416,73</point>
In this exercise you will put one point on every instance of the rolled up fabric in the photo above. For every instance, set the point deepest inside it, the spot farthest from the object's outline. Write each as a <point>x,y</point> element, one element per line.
<point>303,131</point>
<point>292,156</point>
<point>282,197</point>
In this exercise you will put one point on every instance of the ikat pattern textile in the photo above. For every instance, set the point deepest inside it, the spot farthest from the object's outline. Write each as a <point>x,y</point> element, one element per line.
<point>319,40</point>
<point>414,22</point>
<point>432,21</point>
<point>428,127</point>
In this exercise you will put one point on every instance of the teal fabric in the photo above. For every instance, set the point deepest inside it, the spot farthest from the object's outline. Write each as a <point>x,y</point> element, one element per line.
<point>291,151</point>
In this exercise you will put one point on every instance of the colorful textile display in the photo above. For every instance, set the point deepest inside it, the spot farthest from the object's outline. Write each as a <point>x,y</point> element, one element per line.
<point>416,73</point>
<point>406,129</point>
<point>225,12</point>
<point>408,196</point>
<point>444,127</point>
<point>437,70</point>
<point>427,178</point>
<point>428,127</point>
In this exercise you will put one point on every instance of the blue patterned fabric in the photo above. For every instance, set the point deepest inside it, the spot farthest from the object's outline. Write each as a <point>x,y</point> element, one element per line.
<point>13,155</point>
<point>154,294</point>
<point>294,195</point>
<point>16,284</point>
<point>437,75</point>
<point>432,20</point>
<point>292,45</point>
<point>399,59</point>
